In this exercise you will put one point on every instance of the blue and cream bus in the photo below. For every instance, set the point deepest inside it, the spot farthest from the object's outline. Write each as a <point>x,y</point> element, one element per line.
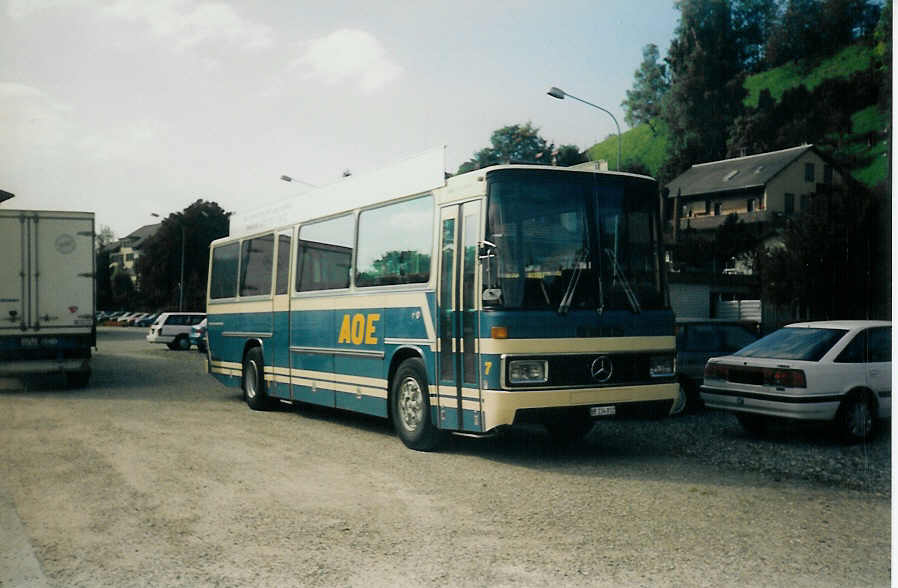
<point>505,295</point>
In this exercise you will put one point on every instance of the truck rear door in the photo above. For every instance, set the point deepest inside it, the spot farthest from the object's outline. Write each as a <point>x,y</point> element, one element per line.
<point>61,270</point>
<point>13,292</point>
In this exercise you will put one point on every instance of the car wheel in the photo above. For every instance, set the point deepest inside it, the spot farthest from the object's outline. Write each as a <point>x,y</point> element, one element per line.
<point>754,424</point>
<point>254,380</point>
<point>172,345</point>
<point>182,343</point>
<point>854,421</point>
<point>410,407</point>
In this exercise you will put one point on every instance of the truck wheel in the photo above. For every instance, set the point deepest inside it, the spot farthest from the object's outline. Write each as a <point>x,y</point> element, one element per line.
<point>77,379</point>
<point>410,407</point>
<point>254,380</point>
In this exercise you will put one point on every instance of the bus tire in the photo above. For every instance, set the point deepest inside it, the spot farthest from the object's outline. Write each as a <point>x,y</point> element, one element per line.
<point>253,380</point>
<point>410,406</point>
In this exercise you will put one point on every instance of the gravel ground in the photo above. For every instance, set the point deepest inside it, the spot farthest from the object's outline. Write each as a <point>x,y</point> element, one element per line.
<point>156,475</point>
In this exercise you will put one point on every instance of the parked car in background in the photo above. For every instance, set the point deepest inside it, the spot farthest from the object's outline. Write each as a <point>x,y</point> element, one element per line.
<point>700,339</point>
<point>837,371</point>
<point>198,336</point>
<point>173,329</point>
<point>132,320</point>
<point>147,320</point>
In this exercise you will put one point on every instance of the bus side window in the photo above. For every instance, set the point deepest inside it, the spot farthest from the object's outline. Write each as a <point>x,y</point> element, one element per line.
<point>395,243</point>
<point>223,283</point>
<point>255,266</point>
<point>324,254</point>
<point>283,266</point>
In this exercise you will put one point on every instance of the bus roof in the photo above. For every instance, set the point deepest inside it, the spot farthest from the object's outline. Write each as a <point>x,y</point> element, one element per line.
<point>416,175</point>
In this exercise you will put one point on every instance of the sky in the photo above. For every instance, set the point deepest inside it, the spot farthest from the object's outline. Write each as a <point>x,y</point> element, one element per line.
<point>133,107</point>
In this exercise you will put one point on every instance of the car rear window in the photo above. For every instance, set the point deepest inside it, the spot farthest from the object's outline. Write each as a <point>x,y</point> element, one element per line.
<point>794,343</point>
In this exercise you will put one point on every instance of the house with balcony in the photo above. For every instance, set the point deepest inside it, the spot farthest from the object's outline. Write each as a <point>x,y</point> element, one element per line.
<point>763,191</point>
<point>123,254</point>
<point>757,188</point>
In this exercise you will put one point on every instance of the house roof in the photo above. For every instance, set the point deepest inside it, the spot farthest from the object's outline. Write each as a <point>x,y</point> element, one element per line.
<point>136,238</point>
<point>739,173</point>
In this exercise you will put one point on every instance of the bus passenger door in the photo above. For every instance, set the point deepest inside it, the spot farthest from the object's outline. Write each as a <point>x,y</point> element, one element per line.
<point>278,355</point>
<point>458,385</point>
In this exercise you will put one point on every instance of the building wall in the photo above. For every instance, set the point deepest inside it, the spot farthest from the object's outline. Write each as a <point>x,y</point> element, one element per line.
<point>690,300</point>
<point>792,180</point>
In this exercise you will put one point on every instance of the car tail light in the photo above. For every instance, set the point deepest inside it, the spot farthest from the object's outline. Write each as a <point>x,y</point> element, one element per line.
<point>778,377</point>
<point>784,378</point>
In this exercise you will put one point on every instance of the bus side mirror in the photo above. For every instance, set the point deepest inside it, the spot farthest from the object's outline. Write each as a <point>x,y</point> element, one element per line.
<point>486,250</point>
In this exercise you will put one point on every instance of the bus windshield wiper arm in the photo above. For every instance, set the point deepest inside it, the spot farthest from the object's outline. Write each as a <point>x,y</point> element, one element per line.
<point>572,285</point>
<point>628,290</point>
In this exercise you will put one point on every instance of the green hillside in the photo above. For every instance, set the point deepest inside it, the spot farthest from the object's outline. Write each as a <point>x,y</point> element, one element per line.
<point>848,61</point>
<point>864,144</point>
<point>638,146</point>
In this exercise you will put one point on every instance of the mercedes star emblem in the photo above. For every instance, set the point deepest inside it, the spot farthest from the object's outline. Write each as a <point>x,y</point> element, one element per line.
<point>601,368</point>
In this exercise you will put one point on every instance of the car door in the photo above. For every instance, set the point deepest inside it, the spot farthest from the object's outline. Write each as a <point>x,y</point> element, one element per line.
<point>879,366</point>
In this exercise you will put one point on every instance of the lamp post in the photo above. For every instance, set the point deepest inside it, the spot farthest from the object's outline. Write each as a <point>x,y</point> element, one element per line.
<point>181,282</point>
<point>287,178</point>
<point>561,95</point>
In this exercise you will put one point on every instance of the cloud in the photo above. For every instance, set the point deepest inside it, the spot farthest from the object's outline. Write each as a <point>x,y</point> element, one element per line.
<point>349,55</point>
<point>184,23</point>
<point>32,119</point>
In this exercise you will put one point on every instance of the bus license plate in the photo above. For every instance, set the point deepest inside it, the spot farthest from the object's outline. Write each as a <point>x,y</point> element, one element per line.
<point>598,411</point>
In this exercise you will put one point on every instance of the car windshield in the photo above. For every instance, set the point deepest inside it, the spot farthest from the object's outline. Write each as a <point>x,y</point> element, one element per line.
<point>794,343</point>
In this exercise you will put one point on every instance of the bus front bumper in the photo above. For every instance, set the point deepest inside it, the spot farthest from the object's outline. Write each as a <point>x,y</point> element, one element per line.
<point>500,406</point>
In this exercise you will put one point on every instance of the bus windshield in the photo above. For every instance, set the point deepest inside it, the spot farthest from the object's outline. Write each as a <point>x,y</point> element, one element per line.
<point>562,240</point>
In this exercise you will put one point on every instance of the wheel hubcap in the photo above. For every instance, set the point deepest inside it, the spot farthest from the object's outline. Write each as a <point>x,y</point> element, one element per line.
<point>411,404</point>
<point>249,379</point>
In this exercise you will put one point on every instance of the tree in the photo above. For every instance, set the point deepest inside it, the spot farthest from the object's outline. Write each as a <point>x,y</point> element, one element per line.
<point>650,83</point>
<point>159,266</point>
<point>706,91</point>
<point>883,39</point>
<point>754,21</point>
<point>830,264</point>
<point>122,290</point>
<point>568,155</point>
<point>103,276</point>
<point>512,144</point>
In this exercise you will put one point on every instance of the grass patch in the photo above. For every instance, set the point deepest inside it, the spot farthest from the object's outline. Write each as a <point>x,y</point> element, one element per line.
<point>841,65</point>
<point>638,144</point>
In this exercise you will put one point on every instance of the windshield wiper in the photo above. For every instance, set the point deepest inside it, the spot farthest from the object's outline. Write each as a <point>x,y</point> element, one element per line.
<point>618,273</point>
<point>575,279</point>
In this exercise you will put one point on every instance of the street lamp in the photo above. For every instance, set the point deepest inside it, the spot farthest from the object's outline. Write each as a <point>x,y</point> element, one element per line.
<point>561,95</point>
<point>181,283</point>
<point>292,179</point>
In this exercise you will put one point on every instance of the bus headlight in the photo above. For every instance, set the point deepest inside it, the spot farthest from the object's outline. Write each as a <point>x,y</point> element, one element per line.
<point>528,371</point>
<point>661,366</point>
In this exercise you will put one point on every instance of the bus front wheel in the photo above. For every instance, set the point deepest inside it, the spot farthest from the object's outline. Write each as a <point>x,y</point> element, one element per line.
<point>410,406</point>
<point>253,380</point>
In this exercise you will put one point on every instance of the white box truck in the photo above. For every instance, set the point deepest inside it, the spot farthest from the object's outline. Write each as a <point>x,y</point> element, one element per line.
<point>47,293</point>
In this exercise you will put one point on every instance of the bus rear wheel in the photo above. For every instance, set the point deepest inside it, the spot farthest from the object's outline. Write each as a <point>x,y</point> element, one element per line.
<point>254,380</point>
<point>410,407</point>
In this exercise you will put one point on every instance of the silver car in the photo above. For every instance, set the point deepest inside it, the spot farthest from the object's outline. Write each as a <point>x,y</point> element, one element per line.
<point>837,371</point>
